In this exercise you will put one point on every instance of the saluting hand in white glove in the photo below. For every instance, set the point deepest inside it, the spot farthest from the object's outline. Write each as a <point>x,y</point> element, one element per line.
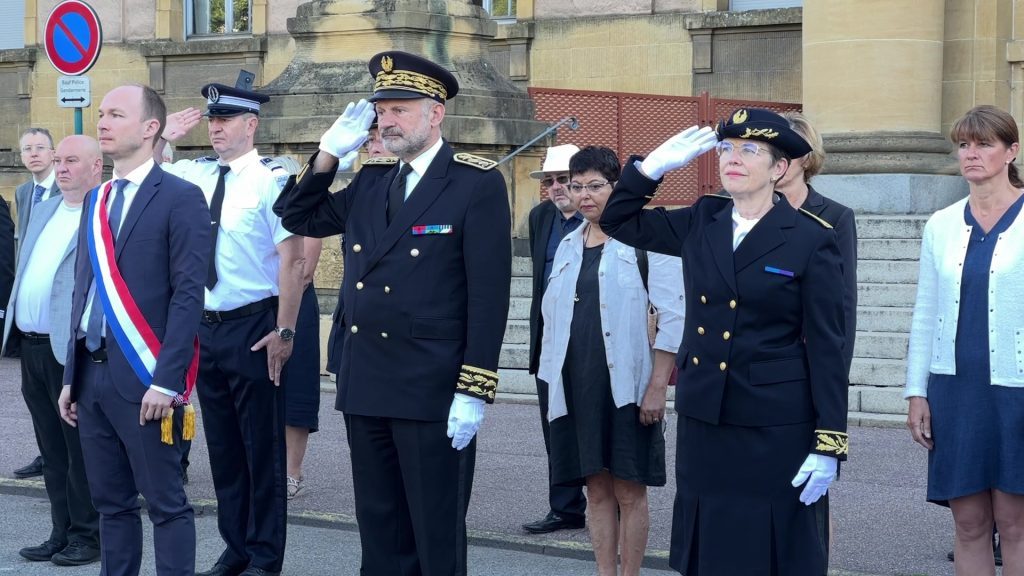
<point>818,471</point>
<point>464,419</point>
<point>678,151</point>
<point>350,130</point>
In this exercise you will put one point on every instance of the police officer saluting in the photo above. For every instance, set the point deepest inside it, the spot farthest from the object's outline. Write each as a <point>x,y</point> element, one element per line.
<point>253,289</point>
<point>426,287</point>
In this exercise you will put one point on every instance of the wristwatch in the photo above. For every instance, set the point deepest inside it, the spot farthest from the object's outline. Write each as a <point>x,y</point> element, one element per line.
<point>286,334</point>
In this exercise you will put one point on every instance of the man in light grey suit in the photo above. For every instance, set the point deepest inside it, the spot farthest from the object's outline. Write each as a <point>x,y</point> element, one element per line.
<point>40,319</point>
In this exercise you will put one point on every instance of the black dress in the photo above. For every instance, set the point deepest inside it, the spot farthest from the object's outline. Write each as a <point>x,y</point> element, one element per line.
<point>595,435</point>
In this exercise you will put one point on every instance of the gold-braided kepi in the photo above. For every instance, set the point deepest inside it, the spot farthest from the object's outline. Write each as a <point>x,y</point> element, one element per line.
<point>402,76</point>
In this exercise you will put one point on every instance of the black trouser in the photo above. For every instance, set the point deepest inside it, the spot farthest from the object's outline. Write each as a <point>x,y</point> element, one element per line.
<point>412,490</point>
<point>71,511</point>
<point>566,501</point>
<point>243,417</point>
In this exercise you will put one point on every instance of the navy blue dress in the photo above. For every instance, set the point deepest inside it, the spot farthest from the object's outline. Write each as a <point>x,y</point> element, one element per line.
<point>978,428</point>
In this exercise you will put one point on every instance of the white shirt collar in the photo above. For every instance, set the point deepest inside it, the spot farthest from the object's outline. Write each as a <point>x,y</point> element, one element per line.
<point>48,181</point>
<point>138,175</point>
<point>243,161</point>
<point>422,162</point>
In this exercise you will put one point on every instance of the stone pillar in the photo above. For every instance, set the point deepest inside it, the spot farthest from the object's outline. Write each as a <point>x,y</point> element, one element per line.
<point>873,86</point>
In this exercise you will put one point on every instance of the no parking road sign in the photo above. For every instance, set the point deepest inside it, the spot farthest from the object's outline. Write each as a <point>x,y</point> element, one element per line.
<point>73,37</point>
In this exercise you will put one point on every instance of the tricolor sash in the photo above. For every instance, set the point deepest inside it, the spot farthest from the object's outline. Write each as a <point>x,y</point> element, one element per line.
<point>125,321</point>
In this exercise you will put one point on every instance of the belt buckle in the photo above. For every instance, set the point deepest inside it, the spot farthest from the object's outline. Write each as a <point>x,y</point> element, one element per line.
<point>211,315</point>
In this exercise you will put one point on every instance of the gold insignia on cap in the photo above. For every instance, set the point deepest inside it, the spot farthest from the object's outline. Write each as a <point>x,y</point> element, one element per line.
<point>767,133</point>
<point>381,161</point>
<point>739,117</point>
<point>386,63</point>
<point>409,81</point>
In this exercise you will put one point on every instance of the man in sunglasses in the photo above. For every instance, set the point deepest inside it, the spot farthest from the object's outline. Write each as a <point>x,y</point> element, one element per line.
<point>549,223</point>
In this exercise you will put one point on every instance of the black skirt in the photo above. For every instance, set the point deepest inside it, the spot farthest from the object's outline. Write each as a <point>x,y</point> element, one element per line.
<point>302,378</point>
<point>595,435</point>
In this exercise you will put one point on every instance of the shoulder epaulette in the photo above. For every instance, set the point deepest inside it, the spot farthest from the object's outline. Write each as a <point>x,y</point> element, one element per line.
<point>272,163</point>
<point>205,159</point>
<point>815,217</point>
<point>475,161</point>
<point>381,161</point>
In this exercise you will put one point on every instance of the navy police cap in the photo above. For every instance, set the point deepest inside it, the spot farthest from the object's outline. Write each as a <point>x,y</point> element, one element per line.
<point>401,76</point>
<point>222,100</point>
<point>765,126</point>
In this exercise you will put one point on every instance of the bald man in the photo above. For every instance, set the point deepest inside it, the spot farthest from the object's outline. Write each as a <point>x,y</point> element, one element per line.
<point>40,304</point>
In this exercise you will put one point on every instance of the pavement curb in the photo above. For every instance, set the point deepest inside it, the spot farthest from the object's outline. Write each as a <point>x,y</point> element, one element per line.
<point>654,559</point>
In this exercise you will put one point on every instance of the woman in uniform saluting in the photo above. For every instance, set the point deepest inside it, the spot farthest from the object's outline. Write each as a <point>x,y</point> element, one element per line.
<point>762,381</point>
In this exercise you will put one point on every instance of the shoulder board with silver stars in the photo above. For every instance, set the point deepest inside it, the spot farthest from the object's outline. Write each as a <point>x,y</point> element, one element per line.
<point>816,218</point>
<point>381,161</point>
<point>475,161</point>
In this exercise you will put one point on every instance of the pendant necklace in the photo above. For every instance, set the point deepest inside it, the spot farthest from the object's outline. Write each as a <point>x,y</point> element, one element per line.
<point>586,237</point>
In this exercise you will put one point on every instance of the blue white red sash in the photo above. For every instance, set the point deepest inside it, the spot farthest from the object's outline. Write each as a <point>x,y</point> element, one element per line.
<point>125,321</point>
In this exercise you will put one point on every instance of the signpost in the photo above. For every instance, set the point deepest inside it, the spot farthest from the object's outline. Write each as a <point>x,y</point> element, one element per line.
<point>73,38</point>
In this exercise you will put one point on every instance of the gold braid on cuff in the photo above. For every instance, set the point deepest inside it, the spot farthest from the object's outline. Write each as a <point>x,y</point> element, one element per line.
<point>477,382</point>
<point>831,443</point>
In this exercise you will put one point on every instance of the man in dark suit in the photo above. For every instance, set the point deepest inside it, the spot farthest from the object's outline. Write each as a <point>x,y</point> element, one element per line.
<point>125,375</point>
<point>37,155</point>
<point>427,275</point>
<point>40,320</point>
<point>549,222</point>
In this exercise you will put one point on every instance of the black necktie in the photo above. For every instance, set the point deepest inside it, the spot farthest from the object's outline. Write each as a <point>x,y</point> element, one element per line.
<point>215,205</point>
<point>396,193</point>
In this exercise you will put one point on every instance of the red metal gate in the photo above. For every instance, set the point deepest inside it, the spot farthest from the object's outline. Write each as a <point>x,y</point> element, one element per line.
<point>637,123</point>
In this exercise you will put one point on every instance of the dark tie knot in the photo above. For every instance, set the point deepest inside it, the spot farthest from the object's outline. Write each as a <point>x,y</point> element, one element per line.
<point>224,169</point>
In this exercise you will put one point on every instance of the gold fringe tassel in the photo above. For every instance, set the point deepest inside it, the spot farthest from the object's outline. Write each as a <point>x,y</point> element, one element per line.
<point>189,429</point>
<point>167,429</point>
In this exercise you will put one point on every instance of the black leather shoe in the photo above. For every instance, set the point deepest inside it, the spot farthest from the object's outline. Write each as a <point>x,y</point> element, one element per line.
<point>221,570</point>
<point>76,554</point>
<point>553,522</point>
<point>43,552</point>
<point>254,571</point>
<point>33,468</point>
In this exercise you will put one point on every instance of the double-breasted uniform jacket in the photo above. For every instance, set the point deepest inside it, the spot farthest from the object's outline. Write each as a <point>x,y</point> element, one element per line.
<point>426,297</point>
<point>763,340</point>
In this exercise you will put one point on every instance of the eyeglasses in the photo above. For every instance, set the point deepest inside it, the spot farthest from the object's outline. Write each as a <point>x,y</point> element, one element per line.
<point>550,180</point>
<point>38,148</point>
<point>593,187</point>
<point>747,150</point>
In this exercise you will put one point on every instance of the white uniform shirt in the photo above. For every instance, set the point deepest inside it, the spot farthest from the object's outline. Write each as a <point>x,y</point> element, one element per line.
<point>419,166</point>
<point>32,305</point>
<point>247,259</point>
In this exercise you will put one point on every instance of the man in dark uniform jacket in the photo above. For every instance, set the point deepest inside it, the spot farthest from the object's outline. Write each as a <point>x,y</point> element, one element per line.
<point>427,275</point>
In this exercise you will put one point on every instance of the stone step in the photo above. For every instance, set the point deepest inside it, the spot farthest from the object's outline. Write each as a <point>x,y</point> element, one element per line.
<point>513,381</point>
<point>519,308</point>
<point>889,345</point>
<point>514,356</point>
<point>888,249</point>
<point>883,319</point>
<point>522,286</point>
<point>877,400</point>
<point>887,271</point>
<point>878,372</point>
<point>874,294</point>
<point>517,332</point>
<point>522,266</point>
<point>895,226</point>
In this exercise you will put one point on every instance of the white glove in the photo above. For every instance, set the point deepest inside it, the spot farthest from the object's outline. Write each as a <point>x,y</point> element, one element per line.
<point>464,418</point>
<point>350,130</point>
<point>346,162</point>
<point>821,470</point>
<point>678,151</point>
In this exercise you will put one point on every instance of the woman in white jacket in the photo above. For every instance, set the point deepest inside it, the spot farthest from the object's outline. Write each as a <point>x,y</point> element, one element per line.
<point>965,367</point>
<point>607,388</point>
